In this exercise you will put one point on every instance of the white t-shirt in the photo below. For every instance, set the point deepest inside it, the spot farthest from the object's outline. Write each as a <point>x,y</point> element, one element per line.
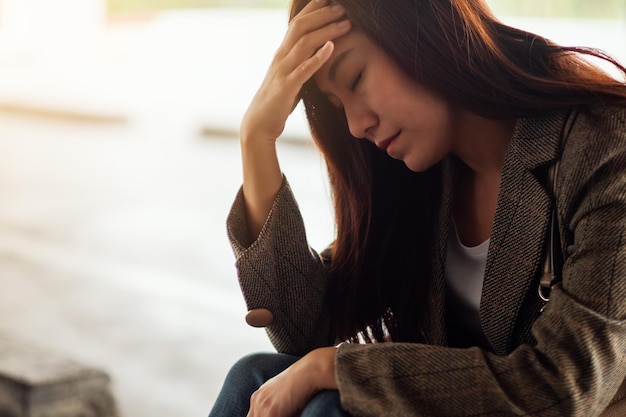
<point>465,273</point>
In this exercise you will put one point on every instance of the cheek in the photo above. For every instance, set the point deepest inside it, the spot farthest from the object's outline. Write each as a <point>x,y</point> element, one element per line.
<point>404,97</point>
<point>433,111</point>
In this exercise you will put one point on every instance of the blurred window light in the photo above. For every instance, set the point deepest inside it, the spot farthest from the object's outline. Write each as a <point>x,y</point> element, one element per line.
<point>116,7</point>
<point>579,9</point>
<point>598,9</point>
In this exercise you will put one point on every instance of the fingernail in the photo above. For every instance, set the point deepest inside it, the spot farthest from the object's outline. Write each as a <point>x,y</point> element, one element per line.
<point>337,8</point>
<point>344,24</point>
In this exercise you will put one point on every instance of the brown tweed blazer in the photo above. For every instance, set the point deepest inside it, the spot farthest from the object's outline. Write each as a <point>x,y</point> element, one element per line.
<point>569,360</point>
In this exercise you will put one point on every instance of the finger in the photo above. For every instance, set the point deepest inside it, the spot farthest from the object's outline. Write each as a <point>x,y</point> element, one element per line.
<point>308,45</point>
<point>306,21</point>
<point>313,5</point>
<point>309,21</point>
<point>307,68</point>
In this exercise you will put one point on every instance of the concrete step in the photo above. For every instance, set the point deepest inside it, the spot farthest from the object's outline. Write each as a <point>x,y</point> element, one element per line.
<point>36,382</point>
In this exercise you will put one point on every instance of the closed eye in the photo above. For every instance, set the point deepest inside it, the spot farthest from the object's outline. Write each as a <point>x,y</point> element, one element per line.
<point>356,81</point>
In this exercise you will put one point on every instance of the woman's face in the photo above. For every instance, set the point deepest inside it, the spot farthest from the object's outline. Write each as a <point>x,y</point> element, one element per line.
<point>384,105</point>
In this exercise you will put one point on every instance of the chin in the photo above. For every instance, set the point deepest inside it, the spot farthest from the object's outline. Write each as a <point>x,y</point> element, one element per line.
<point>417,166</point>
<point>423,161</point>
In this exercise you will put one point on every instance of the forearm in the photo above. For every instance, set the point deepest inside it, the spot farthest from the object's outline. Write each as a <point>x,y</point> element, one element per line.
<point>262,179</point>
<point>307,45</point>
<point>569,373</point>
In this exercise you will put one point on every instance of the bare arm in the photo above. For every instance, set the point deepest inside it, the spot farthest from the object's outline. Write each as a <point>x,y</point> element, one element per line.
<point>305,48</point>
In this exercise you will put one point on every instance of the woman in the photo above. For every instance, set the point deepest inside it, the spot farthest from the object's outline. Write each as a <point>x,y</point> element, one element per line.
<point>446,213</point>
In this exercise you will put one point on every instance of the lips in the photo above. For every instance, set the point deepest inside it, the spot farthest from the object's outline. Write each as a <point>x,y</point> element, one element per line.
<point>385,143</point>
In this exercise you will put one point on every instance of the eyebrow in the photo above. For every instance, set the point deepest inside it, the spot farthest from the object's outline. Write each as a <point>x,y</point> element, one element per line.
<point>332,71</point>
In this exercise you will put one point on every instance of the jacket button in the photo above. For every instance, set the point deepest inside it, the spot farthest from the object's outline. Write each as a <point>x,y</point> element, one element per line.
<point>259,317</point>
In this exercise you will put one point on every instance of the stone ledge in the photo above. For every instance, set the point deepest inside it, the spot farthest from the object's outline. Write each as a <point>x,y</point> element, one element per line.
<point>37,383</point>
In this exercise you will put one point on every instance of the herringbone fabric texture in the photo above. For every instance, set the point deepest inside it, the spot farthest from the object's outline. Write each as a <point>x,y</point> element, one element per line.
<point>567,361</point>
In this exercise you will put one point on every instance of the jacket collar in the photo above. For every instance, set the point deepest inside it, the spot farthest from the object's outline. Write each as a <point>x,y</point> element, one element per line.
<point>536,141</point>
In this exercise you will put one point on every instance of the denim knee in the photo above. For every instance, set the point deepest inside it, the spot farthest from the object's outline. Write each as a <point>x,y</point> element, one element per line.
<point>244,378</point>
<point>324,404</point>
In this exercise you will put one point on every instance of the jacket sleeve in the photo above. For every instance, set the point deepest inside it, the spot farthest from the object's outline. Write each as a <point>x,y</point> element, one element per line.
<point>280,272</point>
<point>579,361</point>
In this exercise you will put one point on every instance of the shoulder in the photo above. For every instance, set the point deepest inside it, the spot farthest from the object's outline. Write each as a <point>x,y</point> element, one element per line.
<point>598,133</point>
<point>593,161</point>
<point>602,120</point>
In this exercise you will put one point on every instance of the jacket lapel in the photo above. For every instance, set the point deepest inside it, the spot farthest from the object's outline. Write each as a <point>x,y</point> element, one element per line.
<point>520,228</point>
<point>435,326</point>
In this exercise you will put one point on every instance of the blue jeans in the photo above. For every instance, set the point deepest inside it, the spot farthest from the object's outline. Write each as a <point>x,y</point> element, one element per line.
<point>250,372</point>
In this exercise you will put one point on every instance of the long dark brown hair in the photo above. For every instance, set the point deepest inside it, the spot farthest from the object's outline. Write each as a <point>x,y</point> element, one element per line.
<point>385,213</point>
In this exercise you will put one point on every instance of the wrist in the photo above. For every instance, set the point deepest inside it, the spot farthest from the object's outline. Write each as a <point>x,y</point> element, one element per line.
<point>249,138</point>
<point>323,367</point>
<point>253,133</point>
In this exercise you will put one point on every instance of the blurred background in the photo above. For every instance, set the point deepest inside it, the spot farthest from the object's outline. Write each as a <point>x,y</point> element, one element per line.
<point>119,161</point>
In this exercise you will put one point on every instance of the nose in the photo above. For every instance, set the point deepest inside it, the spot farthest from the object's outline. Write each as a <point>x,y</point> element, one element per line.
<point>361,119</point>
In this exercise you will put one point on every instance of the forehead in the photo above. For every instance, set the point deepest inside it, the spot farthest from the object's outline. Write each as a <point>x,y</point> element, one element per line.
<point>354,43</point>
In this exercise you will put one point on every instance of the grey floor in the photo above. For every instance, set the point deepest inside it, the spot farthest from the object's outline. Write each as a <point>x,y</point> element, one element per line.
<point>113,251</point>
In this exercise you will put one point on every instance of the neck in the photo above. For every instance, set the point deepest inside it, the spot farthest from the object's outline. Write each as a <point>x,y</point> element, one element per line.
<point>482,144</point>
